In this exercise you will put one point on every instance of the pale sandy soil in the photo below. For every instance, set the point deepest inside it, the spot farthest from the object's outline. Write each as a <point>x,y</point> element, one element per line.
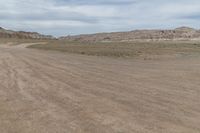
<point>52,92</point>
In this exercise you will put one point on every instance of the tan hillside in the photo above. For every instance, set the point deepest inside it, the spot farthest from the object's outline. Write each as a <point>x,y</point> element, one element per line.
<point>181,33</point>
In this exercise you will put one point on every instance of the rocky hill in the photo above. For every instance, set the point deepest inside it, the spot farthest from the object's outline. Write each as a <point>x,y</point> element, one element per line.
<point>22,35</point>
<point>181,33</point>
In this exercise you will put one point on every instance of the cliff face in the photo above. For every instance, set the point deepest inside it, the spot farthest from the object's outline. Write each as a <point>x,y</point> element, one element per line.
<point>22,35</point>
<point>182,33</point>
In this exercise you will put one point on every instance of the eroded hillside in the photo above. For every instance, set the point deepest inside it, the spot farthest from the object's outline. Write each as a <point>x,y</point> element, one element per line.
<point>182,33</point>
<point>22,34</point>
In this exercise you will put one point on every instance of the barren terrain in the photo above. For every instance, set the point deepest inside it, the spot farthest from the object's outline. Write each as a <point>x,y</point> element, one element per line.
<point>54,92</point>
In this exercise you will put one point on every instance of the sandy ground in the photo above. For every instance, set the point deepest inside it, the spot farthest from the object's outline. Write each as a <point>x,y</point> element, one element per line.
<point>52,92</point>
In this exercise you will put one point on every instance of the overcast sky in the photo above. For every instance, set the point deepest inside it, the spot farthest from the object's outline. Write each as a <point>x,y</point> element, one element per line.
<point>64,17</point>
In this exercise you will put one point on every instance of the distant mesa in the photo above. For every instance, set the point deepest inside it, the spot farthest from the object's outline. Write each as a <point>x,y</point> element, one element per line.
<point>185,28</point>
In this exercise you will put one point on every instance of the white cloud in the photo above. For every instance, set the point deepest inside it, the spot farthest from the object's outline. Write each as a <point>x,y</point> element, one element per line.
<point>59,17</point>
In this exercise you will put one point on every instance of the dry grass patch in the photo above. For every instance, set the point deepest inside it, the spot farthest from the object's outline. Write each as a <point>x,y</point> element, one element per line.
<point>122,49</point>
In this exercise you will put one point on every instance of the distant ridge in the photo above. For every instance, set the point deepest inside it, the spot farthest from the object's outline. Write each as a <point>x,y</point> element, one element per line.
<point>180,33</point>
<point>22,34</point>
<point>184,28</point>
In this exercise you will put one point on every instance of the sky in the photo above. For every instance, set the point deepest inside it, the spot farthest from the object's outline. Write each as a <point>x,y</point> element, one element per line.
<point>72,17</point>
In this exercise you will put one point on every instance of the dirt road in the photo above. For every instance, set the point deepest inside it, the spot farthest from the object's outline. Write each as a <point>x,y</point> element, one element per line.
<point>52,92</point>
